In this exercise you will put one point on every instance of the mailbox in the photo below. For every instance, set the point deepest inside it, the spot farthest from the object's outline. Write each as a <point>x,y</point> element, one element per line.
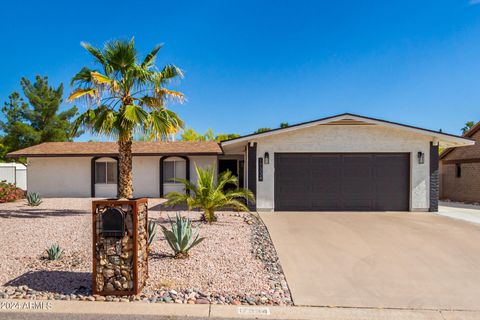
<point>113,223</point>
<point>120,249</point>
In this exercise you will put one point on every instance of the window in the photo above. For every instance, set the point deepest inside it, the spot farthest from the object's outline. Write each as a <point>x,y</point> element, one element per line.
<point>174,169</point>
<point>106,172</point>
<point>458,170</point>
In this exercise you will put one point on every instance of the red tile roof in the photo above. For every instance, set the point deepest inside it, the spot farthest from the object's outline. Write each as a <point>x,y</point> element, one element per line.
<point>65,149</point>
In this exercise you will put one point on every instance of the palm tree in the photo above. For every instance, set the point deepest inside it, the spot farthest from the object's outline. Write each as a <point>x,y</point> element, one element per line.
<point>209,194</point>
<point>126,96</point>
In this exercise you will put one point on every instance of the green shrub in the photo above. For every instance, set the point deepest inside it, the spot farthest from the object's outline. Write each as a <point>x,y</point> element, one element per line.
<point>54,252</point>
<point>151,231</point>
<point>182,237</point>
<point>211,193</point>
<point>34,199</point>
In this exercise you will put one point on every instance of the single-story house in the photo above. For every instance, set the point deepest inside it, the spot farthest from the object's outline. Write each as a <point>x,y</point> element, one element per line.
<point>343,162</point>
<point>460,170</point>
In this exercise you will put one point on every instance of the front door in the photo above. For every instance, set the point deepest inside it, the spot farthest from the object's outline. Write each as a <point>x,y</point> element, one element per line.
<point>228,165</point>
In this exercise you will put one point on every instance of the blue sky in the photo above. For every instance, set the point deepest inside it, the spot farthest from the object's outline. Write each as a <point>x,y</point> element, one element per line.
<point>251,64</point>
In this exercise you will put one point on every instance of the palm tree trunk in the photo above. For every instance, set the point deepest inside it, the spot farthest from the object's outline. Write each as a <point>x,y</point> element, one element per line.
<point>125,182</point>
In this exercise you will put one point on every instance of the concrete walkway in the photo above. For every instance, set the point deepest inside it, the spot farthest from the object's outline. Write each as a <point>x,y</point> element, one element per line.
<point>467,212</point>
<point>378,260</point>
<point>78,310</point>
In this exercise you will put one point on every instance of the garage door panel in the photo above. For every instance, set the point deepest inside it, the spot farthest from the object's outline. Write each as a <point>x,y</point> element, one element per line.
<point>319,182</point>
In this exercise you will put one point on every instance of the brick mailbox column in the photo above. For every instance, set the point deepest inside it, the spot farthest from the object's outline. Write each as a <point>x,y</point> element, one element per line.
<point>120,256</point>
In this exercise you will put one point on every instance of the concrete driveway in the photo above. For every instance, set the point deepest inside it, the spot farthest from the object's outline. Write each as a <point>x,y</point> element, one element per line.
<point>386,260</point>
<point>460,211</point>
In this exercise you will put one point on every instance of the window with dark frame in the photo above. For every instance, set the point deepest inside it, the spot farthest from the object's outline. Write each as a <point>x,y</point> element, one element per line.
<point>175,169</point>
<point>458,170</point>
<point>106,172</point>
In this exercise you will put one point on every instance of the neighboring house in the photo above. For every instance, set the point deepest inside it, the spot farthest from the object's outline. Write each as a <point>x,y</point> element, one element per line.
<point>460,170</point>
<point>15,173</point>
<point>344,162</point>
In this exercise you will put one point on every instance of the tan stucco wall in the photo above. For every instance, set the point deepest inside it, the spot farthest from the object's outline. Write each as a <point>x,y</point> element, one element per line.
<point>344,138</point>
<point>202,162</point>
<point>70,176</point>
<point>146,176</point>
<point>59,177</point>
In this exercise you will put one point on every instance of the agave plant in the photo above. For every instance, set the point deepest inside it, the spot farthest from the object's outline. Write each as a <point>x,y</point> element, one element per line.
<point>210,194</point>
<point>182,237</point>
<point>151,231</point>
<point>34,199</point>
<point>54,252</point>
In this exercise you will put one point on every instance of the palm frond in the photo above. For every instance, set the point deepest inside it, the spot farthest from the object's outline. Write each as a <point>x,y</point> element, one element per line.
<point>150,58</point>
<point>130,93</point>
<point>97,53</point>
<point>120,55</point>
<point>100,78</point>
<point>83,76</point>
<point>134,115</point>
<point>168,73</point>
<point>84,120</point>
<point>164,122</point>
<point>174,198</point>
<point>166,94</point>
<point>90,92</point>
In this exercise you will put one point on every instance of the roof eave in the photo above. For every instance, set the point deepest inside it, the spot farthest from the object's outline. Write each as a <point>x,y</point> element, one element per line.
<point>76,155</point>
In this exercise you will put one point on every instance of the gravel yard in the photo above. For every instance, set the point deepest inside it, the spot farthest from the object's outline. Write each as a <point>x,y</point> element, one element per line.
<point>235,264</point>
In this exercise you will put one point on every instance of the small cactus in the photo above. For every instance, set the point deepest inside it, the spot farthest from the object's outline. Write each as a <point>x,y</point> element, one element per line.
<point>34,199</point>
<point>54,252</point>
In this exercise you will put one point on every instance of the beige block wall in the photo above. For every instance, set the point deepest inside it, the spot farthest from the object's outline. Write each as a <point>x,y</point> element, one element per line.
<point>342,138</point>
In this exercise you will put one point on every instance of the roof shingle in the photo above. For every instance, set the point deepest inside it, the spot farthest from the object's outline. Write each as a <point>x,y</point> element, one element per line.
<point>56,149</point>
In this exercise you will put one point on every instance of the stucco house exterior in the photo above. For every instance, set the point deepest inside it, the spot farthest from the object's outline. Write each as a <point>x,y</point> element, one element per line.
<point>344,162</point>
<point>460,170</point>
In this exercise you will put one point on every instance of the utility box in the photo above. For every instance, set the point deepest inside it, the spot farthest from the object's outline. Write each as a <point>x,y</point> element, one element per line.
<point>120,246</point>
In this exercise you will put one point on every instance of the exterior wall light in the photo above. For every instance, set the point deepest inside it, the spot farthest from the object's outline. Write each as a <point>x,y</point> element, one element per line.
<point>420,157</point>
<point>266,158</point>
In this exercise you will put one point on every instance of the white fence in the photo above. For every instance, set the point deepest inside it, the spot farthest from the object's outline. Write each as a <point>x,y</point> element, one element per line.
<point>15,173</point>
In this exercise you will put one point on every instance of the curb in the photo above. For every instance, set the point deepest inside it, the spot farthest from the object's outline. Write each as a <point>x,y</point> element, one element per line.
<point>172,311</point>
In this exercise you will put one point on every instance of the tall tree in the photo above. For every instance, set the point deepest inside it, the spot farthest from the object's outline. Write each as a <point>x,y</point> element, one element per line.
<point>189,134</point>
<point>260,130</point>
<point>283,124</point>
<point>468,125</point>
<point>226,136</point>
<point>126,96</point>
<point>37,121</point>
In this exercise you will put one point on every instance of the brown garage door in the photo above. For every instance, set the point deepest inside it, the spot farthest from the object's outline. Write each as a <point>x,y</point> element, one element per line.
<point>346,181</point>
